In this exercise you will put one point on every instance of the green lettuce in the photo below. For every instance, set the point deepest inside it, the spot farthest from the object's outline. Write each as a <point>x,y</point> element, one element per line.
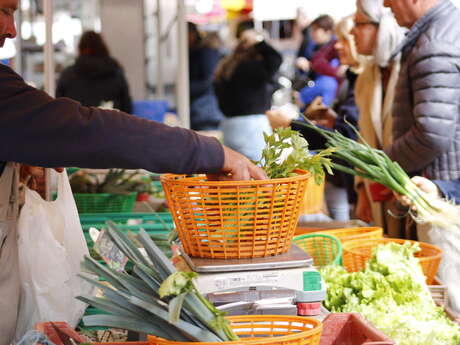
<point>392,294</point>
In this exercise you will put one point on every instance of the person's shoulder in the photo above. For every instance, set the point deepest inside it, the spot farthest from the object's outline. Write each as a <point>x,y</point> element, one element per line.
<point>7,74</point>
<point>444,29</point>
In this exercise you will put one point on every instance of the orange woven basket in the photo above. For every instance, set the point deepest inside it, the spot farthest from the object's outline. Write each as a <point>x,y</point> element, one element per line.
<point>357,252</point>
<point>235,219</point>
<point>267,330</point>
<point>349,234</point>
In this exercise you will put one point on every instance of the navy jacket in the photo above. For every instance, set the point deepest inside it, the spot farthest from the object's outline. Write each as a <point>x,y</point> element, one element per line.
<point>93,80</point>
<point>204,110</point>
<point>39,130</point>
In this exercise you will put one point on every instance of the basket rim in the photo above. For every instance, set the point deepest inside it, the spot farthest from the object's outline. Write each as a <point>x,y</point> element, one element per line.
<point>353,230</point>
<point>193,181</point>
<point>352,244</point>
<point>317,327</point>
<point>301,237</point>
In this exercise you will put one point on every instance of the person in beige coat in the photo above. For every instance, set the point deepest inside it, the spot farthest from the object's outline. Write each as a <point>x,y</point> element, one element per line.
<point>376,34</point>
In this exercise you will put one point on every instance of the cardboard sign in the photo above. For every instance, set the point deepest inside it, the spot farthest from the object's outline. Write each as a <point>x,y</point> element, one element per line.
<point>109,252</point>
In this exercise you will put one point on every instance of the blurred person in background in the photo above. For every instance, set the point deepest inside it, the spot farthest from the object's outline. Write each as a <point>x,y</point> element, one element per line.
<point>426,113</point>
<point>324,86</point>
<point>307,45</point>
<point>95,79</point>
<point>377,35</point>
<point>339,191</point>
<point>204,55</point>
<point>244,86</point>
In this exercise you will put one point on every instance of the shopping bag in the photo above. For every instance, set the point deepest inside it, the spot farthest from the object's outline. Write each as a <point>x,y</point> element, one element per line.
<point>449,270</point>
<point>51,246</point>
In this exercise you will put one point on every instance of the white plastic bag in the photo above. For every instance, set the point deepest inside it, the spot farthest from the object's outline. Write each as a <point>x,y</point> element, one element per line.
<point>448,240</point>
<point>51,247</point>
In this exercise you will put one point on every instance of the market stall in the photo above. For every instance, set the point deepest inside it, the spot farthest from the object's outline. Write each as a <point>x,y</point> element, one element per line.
<point>224,261</point>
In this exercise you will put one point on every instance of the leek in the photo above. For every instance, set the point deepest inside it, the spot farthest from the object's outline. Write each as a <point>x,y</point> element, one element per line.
<point>154,298</point>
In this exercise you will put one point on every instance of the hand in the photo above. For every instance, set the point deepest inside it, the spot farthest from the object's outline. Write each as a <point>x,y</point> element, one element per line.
<point>363,206</point>
<point>238,168</point>
<point>303,64</point>
<point>278,119</point>
<point>342,71</point>
<point>251,37</point>
<point>424,185</point>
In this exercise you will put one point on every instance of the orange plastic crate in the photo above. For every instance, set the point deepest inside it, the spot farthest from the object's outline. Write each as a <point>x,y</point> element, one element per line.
<point>266,330</point>
<point>235,219</point>
<point>349,234</point>
<point>357,252</point>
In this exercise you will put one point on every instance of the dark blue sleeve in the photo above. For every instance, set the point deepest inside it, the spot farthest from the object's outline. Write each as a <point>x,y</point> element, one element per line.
<point>37,129</point>
<point>450,189</point>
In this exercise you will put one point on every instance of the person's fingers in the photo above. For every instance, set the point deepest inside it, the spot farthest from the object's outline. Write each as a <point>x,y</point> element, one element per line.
<point>425,185</point>
<point>256,172</point>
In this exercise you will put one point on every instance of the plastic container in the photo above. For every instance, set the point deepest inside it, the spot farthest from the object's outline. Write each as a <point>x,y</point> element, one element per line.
<point>103,202</point>
<point>95,219</point>
<point>150,109</point>
<point>324,249</point>
<point>357,252</point>
<point>266,330</point>
<point>349,234</point>
<point>351,329</point>
<point>235,219</point>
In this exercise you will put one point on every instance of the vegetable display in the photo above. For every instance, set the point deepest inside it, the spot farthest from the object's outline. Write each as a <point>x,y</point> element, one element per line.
<point>375,165</point>
<point>392,294</point>
<point>154,298</point>
<point>116,181</point>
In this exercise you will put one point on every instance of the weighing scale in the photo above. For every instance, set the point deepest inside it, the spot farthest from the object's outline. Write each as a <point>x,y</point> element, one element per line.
<point>281,284</point>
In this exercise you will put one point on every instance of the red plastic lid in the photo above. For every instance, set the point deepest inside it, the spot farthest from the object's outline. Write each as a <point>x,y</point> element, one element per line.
<point>309,309</point>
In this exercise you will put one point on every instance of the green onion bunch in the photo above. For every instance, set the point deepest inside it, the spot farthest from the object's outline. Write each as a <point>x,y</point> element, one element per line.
<point>375,165</point>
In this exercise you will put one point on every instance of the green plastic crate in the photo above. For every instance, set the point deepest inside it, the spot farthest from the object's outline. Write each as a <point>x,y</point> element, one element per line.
<point>324,249</point>
<point>123,217</point>
<point>104,203</point>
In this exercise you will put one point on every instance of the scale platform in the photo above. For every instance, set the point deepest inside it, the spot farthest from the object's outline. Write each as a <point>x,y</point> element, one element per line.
<point>273,275</point>
<point>294,258</point>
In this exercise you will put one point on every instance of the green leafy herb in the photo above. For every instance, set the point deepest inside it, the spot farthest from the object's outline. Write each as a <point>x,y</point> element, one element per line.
<point>286,150</point>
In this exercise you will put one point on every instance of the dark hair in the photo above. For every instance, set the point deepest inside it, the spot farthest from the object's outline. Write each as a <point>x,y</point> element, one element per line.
<point>324,22</point>
<point>228,65</point>
<point>92,43</point>
<point>243,26</point>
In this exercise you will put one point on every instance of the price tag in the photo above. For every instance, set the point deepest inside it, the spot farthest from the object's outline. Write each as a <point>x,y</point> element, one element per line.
<point>109,252</point>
